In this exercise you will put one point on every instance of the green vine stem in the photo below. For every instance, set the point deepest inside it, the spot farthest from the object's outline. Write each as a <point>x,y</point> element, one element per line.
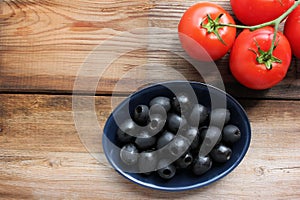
<point>212,26</point>
<point>274,23</point>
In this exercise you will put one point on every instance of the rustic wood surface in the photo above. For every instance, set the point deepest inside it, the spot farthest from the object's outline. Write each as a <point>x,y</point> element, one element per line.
<point>43,46</point>
<point>42,155</point>
<point>44,43</point>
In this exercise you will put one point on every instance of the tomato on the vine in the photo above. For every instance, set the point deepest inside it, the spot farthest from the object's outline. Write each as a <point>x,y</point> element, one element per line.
<point>292,31</point>
<point>201,34</point>
<point>253,12</point>
<point>252,63</point>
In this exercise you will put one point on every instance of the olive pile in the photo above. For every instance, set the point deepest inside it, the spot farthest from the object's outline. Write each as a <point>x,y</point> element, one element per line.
<point>174,134</point>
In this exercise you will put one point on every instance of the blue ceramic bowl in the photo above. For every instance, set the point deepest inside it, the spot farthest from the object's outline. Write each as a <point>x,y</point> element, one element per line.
<point>181,181</point>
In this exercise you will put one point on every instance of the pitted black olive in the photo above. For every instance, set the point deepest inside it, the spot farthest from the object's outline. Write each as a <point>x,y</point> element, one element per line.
<point>231,134</point>
<point>182,103</point>
<point>145,141</point>
<point>127,131</point>
<point>219,117</point>
<point>141,115</point>
<point>221,153</point>
<point>129,154</point>
<point>164,139</point>
<point>201,165</point>
<point>198,115</point>
<point>165,102</point>
<point>184,161</point>
<point>165,169</point>
<point>176,122</point>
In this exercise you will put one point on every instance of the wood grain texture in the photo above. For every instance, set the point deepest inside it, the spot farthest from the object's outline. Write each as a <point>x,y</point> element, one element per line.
<point>44,44</point>
<point>42,157</point>
<point>47,45</point>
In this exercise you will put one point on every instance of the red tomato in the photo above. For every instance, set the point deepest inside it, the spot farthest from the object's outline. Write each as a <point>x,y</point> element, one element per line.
<point>243,60</point>
<point>253,12</point>
<point>292,31</point>
<point>196,39</point>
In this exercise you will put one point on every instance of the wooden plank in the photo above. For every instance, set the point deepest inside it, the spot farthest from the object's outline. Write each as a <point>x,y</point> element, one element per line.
<point>44,123</point>
<point>44,44</point>
<point>41,155</point>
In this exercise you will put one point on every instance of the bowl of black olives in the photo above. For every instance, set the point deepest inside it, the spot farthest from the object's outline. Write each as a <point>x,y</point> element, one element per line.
<point>176,136</point>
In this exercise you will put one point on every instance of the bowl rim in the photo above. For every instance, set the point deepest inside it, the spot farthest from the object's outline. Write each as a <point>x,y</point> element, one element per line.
<point>187,187</point>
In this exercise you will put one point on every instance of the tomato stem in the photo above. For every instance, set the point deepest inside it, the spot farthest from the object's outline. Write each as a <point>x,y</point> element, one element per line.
<point>265,57</point>
<point>212,26</point>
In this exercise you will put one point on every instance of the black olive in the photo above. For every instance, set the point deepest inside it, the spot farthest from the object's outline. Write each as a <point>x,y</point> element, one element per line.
<point>184,161</point>
<point>158,109</point>
<point>176,122</point>
<point>192,134</point>
<point>198,115</point>
<point>166,170</point>
<point>219,117</point>
<point>163,101</point>
<point>210,138</point>
<point>129,154</point>
<point>164,139</point>
<point>181,103</point>
<point>221,153</point>
<point>178,146</point>
<point>156,124</point>
<point>147,162</point>
<point>127,131</point>
<point>231,134</point>
<point>141,114</point>
<point>145,141</point>
<point>201,165</point>
<point>212,133</point>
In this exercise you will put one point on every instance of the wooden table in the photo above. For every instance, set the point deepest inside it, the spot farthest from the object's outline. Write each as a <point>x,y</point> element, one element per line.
<point>44,44</point>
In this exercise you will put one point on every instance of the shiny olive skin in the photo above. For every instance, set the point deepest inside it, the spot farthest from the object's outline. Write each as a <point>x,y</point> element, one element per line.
<point>201,165</point>
<point>198,115</point>
<point>219,117</point>
<point>182,103</point>
<point>189,135</point>
<point>124,137</point>
<point>141,115</point>
<point>145,141</point>
<point>165,102</point>
<point>178,146</point>
<point>147,162</point>
<point>211,136</point>
<point>231,134</point>
<point>157,109</point>
<point>165,170</point>
<point>127,130</point>
<point>165,138</point>
<point>129,154</point>
<point>193,135</point>
<point>221,153</point>
<point>176,122</point>
<point>184,161</point>
<point>156,124</point>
